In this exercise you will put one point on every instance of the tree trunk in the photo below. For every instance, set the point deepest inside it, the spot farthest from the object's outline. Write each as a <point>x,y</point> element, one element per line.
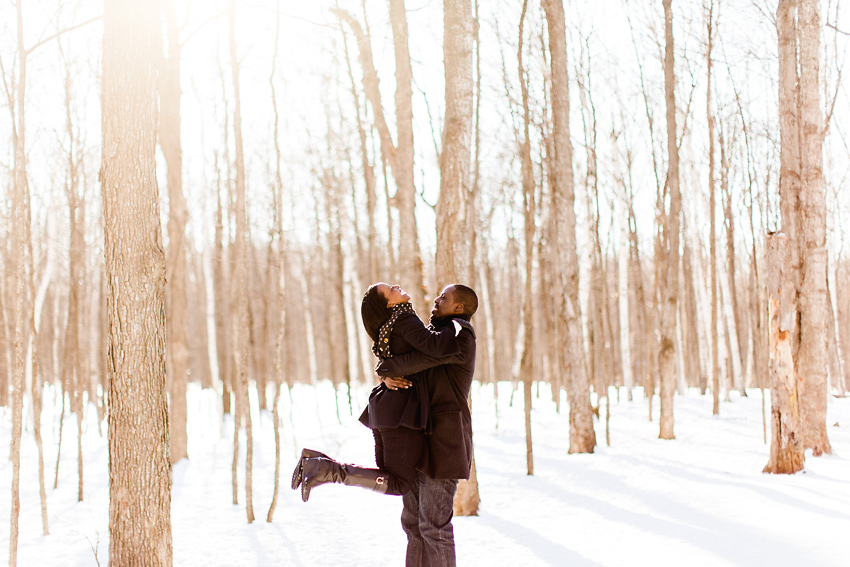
<point>19,216</point>
<point>405,196</point>
<point>139,465</point>
<point>222,312</point>
<point>712,211</point>
<point>176,298</point>
<point>241,250</point>
<point>666,353</point>
<point>452,223</point>
<point>276,268</point>
<point>368,175</point>
<point>786,446</point>
<point>527,361</point>
<point>568,321</point>
<point>812,295</point>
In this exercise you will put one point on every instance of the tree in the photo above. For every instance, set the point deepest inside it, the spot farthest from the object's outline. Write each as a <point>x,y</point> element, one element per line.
<point>568,321</point>
<point>176,298</point>
<point>812,359</point>
<point>527,361</point>
<point>139,464</point>
<point>399,157</point>
<point>670,242</point>
<point>803,208</point>
<point>241,249</point>
<point>452,221</point>
<point>712,211</point>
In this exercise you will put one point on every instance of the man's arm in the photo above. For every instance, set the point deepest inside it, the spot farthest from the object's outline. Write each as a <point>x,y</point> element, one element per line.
<point>413,362</point>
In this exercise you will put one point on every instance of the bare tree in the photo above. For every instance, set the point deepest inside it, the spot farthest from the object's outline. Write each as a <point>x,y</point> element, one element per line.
<point>400,157</point>
<point>812,363</point>
<point>670,244</point>
<point>241,250</point>
<point>452,222</point>
<point>528,205</point>
<point>176,298</point>
<point>712,212</point>
<point>139,464</point>
<point>568,325</point>
<point>19,218</point>
<point>277,269</point>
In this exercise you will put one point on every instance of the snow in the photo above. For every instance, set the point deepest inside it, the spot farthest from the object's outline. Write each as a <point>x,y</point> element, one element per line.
<point>700,500</point>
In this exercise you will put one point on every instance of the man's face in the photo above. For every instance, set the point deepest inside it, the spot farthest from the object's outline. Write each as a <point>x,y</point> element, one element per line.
<point>444,304</point>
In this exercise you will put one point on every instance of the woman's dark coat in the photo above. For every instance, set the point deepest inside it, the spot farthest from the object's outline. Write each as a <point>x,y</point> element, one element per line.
<point>408,407</point>
<point>449,431</point>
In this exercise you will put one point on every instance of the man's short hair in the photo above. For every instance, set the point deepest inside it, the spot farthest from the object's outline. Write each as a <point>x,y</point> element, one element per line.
<point>467,297</point>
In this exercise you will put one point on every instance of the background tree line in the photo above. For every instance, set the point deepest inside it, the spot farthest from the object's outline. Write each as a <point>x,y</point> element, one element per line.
<point>604,178</point>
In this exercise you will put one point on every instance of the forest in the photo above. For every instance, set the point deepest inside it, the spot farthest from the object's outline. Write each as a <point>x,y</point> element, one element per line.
<point>648,198</point>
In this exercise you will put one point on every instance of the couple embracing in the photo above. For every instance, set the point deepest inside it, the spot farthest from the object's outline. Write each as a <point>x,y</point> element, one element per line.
<point>418,414</point>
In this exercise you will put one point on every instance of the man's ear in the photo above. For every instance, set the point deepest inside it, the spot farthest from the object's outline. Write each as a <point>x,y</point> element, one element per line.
<point>458,307</point>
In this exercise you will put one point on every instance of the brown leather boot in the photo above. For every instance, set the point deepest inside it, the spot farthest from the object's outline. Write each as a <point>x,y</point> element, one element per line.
<point>322,470</point>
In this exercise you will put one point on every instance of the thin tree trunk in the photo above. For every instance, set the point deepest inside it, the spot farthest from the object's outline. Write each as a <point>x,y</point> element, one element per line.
<point>139,465</point>
<point>712,211</point>
<point>19,216</point>
<point>368,174</point>
<point>666,353</point>
<point>176,297</point>
<point>241,276</point>
<point>276,268</point>
<point>527,361</point>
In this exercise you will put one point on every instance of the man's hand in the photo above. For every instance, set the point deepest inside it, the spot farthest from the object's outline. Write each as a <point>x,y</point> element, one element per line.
<point>397,383</point>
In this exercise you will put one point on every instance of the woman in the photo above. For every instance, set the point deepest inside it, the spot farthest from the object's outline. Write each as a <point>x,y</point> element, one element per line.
<point>397,417</point>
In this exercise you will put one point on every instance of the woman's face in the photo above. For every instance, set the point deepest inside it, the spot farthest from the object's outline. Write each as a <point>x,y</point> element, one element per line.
<point>393,294</point>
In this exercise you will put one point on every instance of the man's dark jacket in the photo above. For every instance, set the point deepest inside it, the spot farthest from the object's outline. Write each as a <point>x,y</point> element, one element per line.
<point>389,409</point>
<point>448,380</point>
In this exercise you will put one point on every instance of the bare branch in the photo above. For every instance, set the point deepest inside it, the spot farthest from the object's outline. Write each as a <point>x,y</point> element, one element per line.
<point>59,33</point>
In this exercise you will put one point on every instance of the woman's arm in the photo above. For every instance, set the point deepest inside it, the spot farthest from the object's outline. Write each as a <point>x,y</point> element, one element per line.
<point>436,344</point>
<point>417,361</point>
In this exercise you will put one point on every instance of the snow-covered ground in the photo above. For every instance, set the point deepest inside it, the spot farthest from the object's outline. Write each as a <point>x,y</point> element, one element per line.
<point>700,500</point>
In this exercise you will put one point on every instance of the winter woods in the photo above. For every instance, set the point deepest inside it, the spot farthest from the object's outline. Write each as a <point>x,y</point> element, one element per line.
<point>648,198</point>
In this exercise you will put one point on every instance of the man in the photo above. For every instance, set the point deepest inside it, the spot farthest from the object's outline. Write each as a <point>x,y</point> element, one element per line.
<point>428,506</point>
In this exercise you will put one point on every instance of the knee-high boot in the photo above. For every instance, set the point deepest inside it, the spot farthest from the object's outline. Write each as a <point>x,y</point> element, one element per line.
<point>322,470</point>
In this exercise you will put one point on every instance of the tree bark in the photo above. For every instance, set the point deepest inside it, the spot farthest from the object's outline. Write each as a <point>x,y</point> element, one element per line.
<point>405,197</point>
<point>19,216</point>
<point>527,361</point>
<point>452,258</point>
<point>568,320</point>
<point>139,465</point>
<point>812,363</point>
<point>712,211</point>
<point>241,250</point>
<point>176,297</point>
<point>666,353</point>
<point>786,446</point>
